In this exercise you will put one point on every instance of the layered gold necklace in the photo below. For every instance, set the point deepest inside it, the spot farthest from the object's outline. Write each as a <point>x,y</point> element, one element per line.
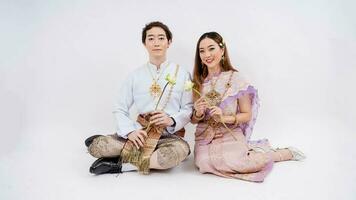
<point>155,88</point>
<point>214,97</point>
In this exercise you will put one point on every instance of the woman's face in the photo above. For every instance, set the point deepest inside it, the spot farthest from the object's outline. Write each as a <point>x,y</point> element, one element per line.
<point>156,42</point>
<point>210,52</point>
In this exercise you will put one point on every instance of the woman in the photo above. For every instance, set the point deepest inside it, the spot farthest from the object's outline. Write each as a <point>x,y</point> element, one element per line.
<point>225,113</point>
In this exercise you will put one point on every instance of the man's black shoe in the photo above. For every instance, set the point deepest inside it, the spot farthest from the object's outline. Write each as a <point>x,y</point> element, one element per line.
<point>106,166</point>
<point>90,139</point>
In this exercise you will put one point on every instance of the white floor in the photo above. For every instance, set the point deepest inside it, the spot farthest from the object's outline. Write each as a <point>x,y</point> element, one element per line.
<point>56,167</point>
<point>61,63</point>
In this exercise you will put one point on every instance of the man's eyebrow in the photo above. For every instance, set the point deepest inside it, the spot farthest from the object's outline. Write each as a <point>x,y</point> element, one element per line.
<point>151,35</point>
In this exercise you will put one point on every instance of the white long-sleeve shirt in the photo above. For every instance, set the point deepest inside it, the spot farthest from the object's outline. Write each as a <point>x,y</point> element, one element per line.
<point>136,91</point>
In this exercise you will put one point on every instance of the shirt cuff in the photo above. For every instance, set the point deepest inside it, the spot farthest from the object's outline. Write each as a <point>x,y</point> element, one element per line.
<point>171,129</point>
<point>123,132</point>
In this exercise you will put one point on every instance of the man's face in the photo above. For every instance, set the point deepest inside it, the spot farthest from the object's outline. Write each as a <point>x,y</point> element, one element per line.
<point>156,42</point>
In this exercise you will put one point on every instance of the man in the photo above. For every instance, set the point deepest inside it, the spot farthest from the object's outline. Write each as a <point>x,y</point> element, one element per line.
<point>153,141</point>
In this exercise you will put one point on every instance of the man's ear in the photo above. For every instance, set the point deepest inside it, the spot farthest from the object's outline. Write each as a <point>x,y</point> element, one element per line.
<point>169,43</point>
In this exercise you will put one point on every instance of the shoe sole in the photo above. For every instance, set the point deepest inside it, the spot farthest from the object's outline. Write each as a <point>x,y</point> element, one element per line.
<point>90,139</point>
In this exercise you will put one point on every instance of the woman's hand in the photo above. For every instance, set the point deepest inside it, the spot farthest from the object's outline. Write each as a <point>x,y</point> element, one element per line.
<point>216,113</point>
<point>200,106</point>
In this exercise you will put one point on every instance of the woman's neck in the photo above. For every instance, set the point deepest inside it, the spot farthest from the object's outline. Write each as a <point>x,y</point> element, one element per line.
<point>213,71</point>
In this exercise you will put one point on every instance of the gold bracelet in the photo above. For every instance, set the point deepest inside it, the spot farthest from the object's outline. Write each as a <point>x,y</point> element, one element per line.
<point>196,117</point>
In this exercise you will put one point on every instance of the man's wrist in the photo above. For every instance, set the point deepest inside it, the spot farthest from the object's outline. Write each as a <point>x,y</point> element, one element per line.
<point>174,122</point>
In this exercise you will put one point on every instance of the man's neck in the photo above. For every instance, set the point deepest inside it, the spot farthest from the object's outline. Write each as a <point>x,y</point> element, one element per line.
<point>157,61</point>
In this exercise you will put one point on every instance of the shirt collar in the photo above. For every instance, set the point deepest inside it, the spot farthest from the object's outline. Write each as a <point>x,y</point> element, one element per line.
<point>163,66</point>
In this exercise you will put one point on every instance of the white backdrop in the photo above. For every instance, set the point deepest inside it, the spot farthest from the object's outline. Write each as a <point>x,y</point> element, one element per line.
<point>62,62</point>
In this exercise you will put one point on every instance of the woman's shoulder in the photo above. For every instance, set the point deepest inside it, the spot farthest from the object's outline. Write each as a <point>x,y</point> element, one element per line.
<point>239,81</point>
<point>235,75</point>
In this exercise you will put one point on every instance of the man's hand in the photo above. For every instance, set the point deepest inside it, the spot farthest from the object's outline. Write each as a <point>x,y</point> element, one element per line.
<point>138,137</point>
<point>160,118</point>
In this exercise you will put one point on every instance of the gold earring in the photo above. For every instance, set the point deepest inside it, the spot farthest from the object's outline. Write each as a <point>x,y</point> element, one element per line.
<point>222,60</point>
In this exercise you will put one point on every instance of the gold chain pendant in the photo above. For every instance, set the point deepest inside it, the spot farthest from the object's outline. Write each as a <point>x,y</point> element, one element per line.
<point>155,89</point>
<point>213,97</point>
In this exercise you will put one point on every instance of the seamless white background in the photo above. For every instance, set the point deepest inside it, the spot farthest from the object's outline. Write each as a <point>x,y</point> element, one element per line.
<point>62,62</point>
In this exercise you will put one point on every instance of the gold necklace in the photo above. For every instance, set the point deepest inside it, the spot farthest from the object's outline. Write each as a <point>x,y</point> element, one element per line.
<point>213,96</point>
<point>155,88</point>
